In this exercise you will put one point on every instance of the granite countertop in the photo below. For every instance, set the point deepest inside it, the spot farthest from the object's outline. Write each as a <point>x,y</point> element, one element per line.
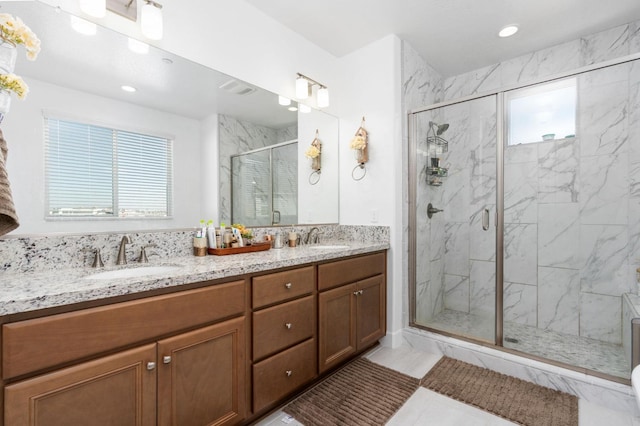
<point>23,292</point>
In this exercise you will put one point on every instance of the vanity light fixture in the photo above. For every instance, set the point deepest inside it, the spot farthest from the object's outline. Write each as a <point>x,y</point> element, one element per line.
<point>508,31</point>
<point>137,46</point>
<point>95,8</point>
<point>284,101</point>
<point>151,20</point>
<point>304,89</point>
<point>83,26</point>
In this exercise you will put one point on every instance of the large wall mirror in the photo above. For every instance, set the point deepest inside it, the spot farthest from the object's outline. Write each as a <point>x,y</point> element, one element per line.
<point>211,119</point>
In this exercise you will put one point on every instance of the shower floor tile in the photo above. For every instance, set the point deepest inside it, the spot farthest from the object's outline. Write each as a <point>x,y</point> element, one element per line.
<point>572,350</point>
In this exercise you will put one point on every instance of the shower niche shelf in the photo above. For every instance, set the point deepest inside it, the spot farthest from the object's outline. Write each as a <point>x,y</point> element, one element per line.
<point>436,145</point>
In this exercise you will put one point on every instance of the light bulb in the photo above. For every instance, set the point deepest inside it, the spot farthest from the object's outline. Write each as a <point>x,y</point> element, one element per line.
<point>302,88</point>
<point>323,97</point>
<point>95,8</point>
<point>284,101</point>
<point>138,46</point>
<point>151,21</point>
<point>83,26</point>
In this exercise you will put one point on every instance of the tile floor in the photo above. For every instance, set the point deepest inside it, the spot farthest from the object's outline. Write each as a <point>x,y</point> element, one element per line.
<point>427,407</point>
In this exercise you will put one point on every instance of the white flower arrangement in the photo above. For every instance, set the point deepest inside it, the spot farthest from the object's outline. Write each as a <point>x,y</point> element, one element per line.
<point>15,84</point>
<point>358,142</point>
<point>312,152</point>
<point>14,31</point>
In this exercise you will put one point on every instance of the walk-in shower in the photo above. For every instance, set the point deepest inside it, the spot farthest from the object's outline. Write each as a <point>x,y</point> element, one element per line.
<point>535,244</point>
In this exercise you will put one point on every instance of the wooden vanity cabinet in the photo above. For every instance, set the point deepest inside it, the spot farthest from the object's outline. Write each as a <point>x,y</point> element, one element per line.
<point>191,378</point>
<point>351,307</point>
<point>284,334</point>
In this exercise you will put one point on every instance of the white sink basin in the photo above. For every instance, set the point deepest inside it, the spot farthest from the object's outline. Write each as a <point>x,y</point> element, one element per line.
<point>327,247</point>
<point>131,272</point>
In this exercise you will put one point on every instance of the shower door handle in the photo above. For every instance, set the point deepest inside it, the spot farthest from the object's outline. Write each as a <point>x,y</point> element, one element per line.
<point>275,217</point>
<point>485,220</point>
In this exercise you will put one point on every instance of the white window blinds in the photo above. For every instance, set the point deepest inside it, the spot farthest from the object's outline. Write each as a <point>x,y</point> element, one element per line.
<point>94,171</point>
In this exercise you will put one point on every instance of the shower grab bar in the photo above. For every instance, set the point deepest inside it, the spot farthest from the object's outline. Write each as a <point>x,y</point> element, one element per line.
<point>485,220</point>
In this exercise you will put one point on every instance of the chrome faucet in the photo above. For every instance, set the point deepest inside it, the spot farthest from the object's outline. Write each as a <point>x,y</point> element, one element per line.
<point>97,260</point>
<point>316,238</point>
<point>122,252</point>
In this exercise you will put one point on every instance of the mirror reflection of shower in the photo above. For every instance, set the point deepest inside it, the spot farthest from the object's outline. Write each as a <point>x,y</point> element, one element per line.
<point>436,146</point>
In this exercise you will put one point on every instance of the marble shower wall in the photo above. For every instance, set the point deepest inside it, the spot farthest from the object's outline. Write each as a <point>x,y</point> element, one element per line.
<point>235,137</point>
<point>572,206</point>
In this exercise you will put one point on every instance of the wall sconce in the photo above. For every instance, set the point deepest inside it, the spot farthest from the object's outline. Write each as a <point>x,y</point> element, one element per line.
<point>360,144</point>
<point>150,14</point>
<point>314,153</point>
<point>304,89</point>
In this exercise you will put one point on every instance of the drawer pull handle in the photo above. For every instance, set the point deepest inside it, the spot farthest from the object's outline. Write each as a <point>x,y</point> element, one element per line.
<point>288,373</point>
<point>166,359</point>
<point>288,285</point>
<point>288,325</point>
<point>151,365</point>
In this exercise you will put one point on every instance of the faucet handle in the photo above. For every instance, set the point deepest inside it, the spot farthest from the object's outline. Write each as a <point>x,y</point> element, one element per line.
<point>97,260</point>
<point>143,253</point>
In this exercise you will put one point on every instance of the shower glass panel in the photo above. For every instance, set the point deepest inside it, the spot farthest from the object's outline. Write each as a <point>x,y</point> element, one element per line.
<point>455,239</point>
<point>264,186</point>
<point>571,228</point>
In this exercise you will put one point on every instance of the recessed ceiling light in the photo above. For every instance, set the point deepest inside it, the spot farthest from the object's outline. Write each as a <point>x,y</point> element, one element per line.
<point>284,101</point>
<point>128,88</point>
<point>508,31</point>
<point>138,46</point>
<point>292,109</point>
<point>83,26</point>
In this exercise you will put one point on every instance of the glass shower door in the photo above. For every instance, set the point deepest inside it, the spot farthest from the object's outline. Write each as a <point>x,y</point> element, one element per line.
<point>251,188</point>
<point>285,184</point>
<point>455,234</point>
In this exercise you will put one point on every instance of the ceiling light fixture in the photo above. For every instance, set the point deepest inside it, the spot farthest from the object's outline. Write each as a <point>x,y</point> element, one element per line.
<point>83,26</point>
<point>284,101</point>
<point>95,8</point>
<point>304,88</point>
<point>292,109</point>
<point>137,46</point>
<point>151,20</point>
<point>508,31</point>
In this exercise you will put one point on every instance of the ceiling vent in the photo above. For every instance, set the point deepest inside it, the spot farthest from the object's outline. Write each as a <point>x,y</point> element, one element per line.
<point>237,87</point>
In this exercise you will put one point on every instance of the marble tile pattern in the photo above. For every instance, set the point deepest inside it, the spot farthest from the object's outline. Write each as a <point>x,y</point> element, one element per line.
<point>572,205</point>
<point>42,272</point>
<point>235,137</point>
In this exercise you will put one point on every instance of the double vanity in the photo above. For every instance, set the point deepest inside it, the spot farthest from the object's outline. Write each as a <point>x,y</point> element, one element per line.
<point>187,341</point>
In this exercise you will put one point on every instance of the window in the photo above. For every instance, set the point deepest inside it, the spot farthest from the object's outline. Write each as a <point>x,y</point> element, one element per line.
<point>540,113</point>
<point>94,171</point>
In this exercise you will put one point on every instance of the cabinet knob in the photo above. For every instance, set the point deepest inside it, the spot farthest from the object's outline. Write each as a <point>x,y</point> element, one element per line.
<point>166,359</point>
<point>355,293</point>
<point>151,365</point>
<point>360,292</point>
<point>288,285</point>
<point>288,326</point>
<point>288,373</point>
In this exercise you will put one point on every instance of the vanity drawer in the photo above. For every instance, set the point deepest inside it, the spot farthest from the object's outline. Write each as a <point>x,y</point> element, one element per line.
<point>278,376</point>
<point>283,325</point>
<point>40,343</point>
<point>346,271</point>
<point>281,286</point>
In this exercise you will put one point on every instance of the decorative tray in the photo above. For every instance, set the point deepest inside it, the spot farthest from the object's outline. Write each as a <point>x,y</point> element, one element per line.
<point>237,250</point>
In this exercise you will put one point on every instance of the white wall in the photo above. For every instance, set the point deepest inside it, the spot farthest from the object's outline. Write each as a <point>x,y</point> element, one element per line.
<point>370,87</point>
<point>318,203</point>
<point>23,130</point>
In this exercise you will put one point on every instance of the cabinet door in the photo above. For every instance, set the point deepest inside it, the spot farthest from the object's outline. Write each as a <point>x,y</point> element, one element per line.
<point>201,376</point>
<point>337,325</point>
<point>118,390</point>
<point>371,309</point>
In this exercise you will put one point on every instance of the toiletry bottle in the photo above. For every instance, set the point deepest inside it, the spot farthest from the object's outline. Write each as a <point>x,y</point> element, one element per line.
<point>277,244</point>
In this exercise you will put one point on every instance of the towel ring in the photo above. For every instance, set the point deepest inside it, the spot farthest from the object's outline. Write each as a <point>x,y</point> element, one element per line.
<point>353,172</point>
<point>314,177</point>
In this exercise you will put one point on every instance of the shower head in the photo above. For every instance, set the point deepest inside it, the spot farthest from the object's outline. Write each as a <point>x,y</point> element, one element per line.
<point>440,128</point>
